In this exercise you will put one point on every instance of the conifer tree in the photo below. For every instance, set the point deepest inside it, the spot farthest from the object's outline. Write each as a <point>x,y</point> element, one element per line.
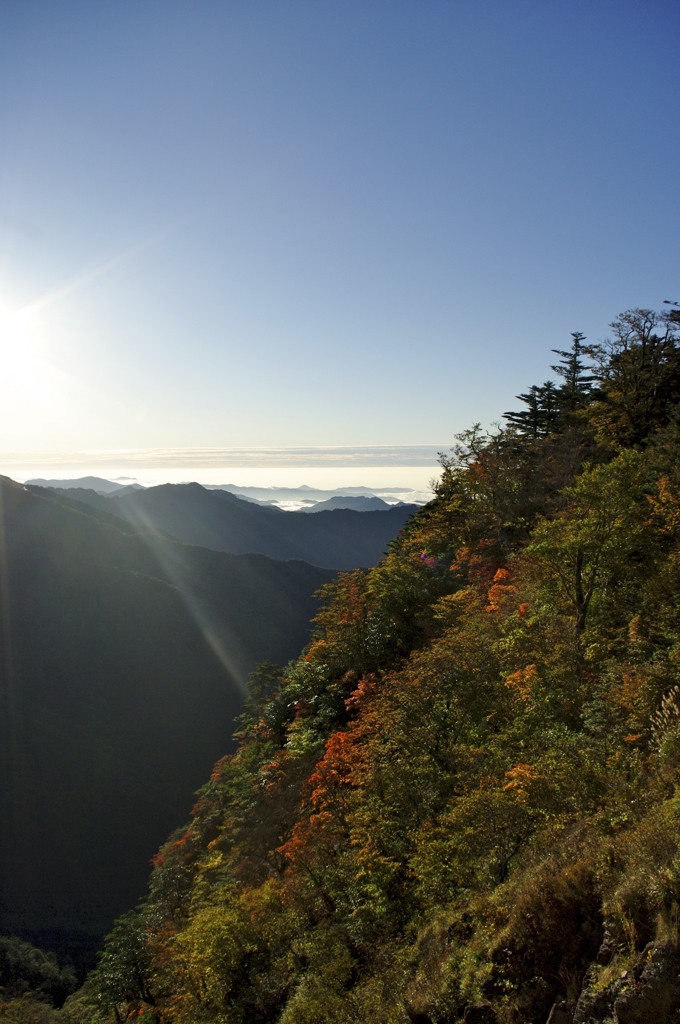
<point>576,376</point>
<point>540,416</point>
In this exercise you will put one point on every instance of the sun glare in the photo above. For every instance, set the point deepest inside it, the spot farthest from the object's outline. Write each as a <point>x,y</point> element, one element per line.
<point>18,346</point>
<point>31,383</point>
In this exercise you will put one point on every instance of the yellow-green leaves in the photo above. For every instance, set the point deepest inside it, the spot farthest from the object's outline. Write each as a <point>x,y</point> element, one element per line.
<point>597,540</point>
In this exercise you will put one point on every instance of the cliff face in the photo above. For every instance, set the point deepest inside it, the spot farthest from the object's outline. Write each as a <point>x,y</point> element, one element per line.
<point>646,991</point>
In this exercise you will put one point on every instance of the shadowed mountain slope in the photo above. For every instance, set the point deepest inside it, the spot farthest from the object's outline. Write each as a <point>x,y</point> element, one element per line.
<point>123,660</point>
<point>342,538</point>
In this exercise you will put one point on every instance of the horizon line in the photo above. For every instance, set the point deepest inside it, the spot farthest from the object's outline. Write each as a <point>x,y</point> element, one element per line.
<point>419,454</point>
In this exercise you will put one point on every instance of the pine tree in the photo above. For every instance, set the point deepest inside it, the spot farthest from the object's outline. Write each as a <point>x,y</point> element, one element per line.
<point>576,376</point>
<point>540,416</point>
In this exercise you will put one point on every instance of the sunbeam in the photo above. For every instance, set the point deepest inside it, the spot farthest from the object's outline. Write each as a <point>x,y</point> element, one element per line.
<point>86,277</point>
<point>199,610</point>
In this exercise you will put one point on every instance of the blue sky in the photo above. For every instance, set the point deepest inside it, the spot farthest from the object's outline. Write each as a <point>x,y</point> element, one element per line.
<point>334,223</point>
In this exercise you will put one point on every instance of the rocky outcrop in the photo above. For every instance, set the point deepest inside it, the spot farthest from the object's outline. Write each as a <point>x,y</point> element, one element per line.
<point>648,993</point>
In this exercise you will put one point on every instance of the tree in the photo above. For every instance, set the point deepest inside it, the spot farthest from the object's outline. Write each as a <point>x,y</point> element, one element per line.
<point>595,536</point>
<point>578,378</point>
<point>638,369</point>
<point>124,972</point>
<point>26,970</point>
<point>540,416</point>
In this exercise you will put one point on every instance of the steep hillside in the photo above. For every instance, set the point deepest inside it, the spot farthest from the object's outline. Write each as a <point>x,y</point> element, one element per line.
<point>462,801</point>
<point>124,658</point>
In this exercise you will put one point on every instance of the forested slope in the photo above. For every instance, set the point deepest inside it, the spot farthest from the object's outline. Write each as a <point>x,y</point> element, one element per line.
<point>462,796</point>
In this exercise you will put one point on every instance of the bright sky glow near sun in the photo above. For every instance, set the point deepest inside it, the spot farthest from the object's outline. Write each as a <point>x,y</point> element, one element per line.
<point>347,225</point>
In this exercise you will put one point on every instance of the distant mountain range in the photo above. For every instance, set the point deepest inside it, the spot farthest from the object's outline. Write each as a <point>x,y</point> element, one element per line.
<point>357,502</point>
<point>122,665</point>
<point>303,497</point>
<point>340,538</point>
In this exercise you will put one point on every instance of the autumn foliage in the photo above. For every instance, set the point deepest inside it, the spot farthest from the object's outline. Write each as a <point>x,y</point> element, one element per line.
<point>476,751</point>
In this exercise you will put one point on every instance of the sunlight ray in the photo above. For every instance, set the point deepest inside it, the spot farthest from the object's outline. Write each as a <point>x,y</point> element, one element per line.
<point>86,277</point>
<point>198,609</point>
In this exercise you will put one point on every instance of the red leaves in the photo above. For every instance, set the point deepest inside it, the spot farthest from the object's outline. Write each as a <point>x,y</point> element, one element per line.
<point>361,696</point>
<point>219,767</point>
<point>342,765</point>
<point>175,849</point>
<point>336,776</point>
<point>273,773</point>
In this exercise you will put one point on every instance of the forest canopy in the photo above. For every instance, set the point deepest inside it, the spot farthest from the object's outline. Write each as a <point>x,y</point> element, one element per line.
<point>464,792</point>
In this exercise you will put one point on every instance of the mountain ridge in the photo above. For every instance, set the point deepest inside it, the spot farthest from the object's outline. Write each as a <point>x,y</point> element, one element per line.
<point>218,519</point>
<point>123,650</point>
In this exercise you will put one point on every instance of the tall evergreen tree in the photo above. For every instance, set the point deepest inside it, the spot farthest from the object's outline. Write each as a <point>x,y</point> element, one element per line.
<point>540,416</point>
<point>577,377</point>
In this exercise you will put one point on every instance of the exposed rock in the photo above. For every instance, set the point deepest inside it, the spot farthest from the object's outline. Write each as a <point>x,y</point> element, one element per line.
<point>656,996</point>
<point>607,950</point>
<point>561,1013</point>
<point>595,1007</point>
<point>647,994</point>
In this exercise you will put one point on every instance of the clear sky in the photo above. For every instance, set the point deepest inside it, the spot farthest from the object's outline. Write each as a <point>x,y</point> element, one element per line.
<point>320,222</point>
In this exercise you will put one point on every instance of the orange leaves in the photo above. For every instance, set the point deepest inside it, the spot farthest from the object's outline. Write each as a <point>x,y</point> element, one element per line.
<point>315,651</point>
<point>520,778</point>
<point>521,681</point>
<point>219,768</point>
<point>629,694</point>
<point>345,605</point>
<point>294,847</point>
<point>634,696</point>
<point>476,564</point>
<point>176,850</point>
<point>500,590</point>
<point>336,776</point>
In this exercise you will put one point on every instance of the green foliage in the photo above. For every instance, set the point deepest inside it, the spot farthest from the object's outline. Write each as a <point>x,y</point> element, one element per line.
<point>123,975</point>
<point>588,549</point>
<point>645,888</point>
<point>638,370</point>
<point>27,1009</point>
<point>26,971</point>
<point>471,771</point>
